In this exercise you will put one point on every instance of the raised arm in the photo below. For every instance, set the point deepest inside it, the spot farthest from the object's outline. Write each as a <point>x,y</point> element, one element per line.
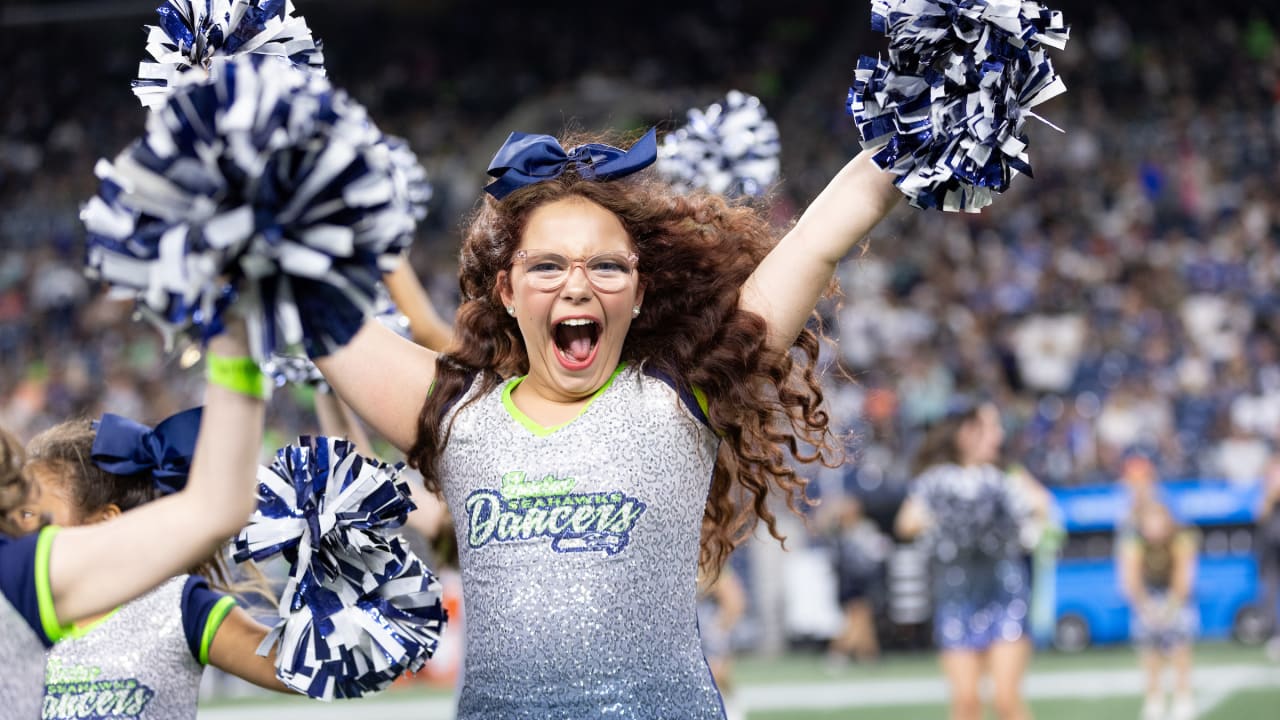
<point>789,281</point>
<point>234,650</point>
<point>425,324</point>
<point>911,520</point>
<point>384,378</point>
<point>94,568</point>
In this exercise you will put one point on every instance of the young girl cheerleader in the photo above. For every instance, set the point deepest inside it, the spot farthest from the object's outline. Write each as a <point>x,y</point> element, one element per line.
<point>1157,574</point>
<point>973,514</point>
<point>57,577</point>
<point>175,630</point>
<point>612,415</point>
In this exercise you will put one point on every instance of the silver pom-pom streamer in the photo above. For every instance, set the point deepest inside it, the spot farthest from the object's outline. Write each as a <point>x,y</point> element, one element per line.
<point>260,185</point>
<point>294,370</point>
<point>949,105</point>
<point>389,315</point>
<point>730,148</point>
<point>191,33</point>
<point>358,609</point>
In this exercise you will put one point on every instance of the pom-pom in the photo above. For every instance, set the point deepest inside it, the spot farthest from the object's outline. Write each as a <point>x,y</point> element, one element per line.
<point>293,370</point>
<point>191,33</point>
<point>358,609</point>
<point>389,315</point>
<point>949,105</point>
<point>285,369</point>
<point>410,177</point>
<point>260,186</point>
<point>731,148</point>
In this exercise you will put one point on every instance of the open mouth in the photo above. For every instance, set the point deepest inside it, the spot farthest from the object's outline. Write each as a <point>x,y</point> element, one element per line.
<point>576,340</point>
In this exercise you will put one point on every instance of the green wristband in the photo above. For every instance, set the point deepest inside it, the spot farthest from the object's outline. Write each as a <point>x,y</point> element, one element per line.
<point>239,375</point>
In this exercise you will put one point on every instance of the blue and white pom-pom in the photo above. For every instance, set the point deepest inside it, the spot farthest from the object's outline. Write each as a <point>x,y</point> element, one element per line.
<point>285,369</point>
<point>411,178</point>
<point>389,314</point>
<point>358,609</point>
<point>293,370</point>
<point>260,185</point>
<point>191,33</point>
<point>730,148</point>
<point>949,104</point>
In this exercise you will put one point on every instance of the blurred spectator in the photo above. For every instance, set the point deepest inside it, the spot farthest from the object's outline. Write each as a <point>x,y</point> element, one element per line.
<point>859,557</point>
<point>1269,553</point>
<point>1157,571</point>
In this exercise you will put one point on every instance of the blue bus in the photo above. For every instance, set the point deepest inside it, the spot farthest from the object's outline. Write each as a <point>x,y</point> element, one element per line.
<point>1089,608</point>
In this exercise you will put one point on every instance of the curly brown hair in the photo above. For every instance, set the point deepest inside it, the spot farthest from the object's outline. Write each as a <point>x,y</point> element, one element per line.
<point>15,488</point>
<point>695,252</point>
<point>66,449</point>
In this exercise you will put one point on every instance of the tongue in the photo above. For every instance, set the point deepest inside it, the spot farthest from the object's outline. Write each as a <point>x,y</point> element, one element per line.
<point>577,340</point>
<point>580,348</point>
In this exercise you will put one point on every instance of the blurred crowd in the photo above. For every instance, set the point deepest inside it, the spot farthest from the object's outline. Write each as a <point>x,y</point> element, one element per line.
<point>1121,300</point>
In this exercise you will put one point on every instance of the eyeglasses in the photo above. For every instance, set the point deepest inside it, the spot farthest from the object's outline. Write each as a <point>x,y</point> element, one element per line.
<point>608,272</point>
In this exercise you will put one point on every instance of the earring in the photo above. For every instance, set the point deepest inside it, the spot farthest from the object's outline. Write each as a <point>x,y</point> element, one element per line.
<point>635,311</point>
<point>511,310</point>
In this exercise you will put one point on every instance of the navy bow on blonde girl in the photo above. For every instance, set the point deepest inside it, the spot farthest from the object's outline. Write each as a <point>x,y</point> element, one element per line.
<point>126,447</point>
<point>526,159</point>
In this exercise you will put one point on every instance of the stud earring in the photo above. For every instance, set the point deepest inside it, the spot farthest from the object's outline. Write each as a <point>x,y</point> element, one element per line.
<point>635,311</point>
<point>511,310</point>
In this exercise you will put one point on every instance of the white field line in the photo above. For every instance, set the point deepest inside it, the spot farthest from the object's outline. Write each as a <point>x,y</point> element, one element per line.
<point>1213,685</point>
<point>1208,682</point>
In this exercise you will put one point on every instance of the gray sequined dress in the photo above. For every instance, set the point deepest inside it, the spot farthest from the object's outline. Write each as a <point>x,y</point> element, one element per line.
<point>981,584</point>
<point>579,550</point>
<point>134,664</point>
<point>21,651</point>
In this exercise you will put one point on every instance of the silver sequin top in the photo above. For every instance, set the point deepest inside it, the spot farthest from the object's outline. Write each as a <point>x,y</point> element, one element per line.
<point>21,666</point>
<point>21,646</point>
<point>136,664</point>
<point>579,552</point>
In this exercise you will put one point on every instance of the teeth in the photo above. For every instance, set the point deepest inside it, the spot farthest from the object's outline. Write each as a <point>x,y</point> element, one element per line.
<point>578,321</point>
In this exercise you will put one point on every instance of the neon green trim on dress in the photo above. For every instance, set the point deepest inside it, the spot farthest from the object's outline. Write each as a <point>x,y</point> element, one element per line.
<point>53,630</point>
<point>530,424</point>
<point>212,623</point>
<point>79,631</point>
<point>701,399</point>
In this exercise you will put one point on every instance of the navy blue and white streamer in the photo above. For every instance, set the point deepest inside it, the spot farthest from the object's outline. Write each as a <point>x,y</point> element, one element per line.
<point>191,33</point>
<point>260,186</point>
<point>294,370</point>
<point>285,369</point>
<point>730,148</point>
<point>947,108</point>
<point>411,178</point>
<point>358,609</point>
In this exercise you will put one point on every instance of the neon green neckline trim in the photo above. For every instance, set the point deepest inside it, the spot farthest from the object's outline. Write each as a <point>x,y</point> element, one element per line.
<point>53,630</point>
<point>530,424</point>
<point>212,623</point>
<point>701,398</point>
<point>79,631</point>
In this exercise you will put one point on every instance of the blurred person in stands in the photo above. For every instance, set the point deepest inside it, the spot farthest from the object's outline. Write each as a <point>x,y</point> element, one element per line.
<point>1269,546</point>
<point>722,601</point>
<point>973,516</point>
<point>1157,573</point>
<point>860,552</point>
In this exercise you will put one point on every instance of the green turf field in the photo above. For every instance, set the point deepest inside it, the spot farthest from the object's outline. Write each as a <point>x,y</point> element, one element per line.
<point>1232,682</point>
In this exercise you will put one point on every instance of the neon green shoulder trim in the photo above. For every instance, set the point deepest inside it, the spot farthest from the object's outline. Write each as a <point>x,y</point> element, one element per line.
<point>53,630</point>
<point>212,623</point>
<point>701,398</point>
<point>541,431</point>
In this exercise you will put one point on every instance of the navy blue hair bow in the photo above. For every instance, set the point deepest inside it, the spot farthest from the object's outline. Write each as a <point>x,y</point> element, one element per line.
<point>526,159</point>
<point>125,447</point>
